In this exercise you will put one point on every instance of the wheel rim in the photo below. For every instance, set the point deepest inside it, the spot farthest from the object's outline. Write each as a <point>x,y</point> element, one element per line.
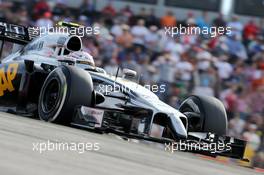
<point>51,95</point>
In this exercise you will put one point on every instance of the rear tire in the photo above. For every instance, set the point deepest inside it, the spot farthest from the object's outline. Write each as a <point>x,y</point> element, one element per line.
<point>64,89</point>
<point>205,114</point>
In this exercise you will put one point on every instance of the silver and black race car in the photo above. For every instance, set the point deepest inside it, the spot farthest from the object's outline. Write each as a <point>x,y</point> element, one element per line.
<point>50,77</point>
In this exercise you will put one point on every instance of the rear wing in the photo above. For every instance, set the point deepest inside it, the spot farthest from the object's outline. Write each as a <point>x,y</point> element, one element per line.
<point>22,35</point>
<point>16,33</point>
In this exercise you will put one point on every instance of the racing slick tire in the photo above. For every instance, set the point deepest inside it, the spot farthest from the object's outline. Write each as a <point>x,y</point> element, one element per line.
<point>65,88</point>
<point>205,114</point>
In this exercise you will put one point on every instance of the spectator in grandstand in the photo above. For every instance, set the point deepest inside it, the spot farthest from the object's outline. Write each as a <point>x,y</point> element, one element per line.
<point>45,21</point>
<point>252,137</point>
<point>40,8</point>
<point>250,31</point>
<point>126,39</point>
<point>139,32</point>
<point>184,69</point>
<point>165,64</point>
<point>169,20</point>
<point>87,7</point>
<point>256,45</point>
<point>126,11</point>
<point>22,17</point>
<point>109,10</point>
<point>152,38</point>
<point>236,126</point>
<point>146,71</point>
<point>175,46</point>
<point>205,80</point>
<point>60,8</point>
<point>256,100</point>
<point>151,18</point>
<point>116,29</point>
<point>142,13</point>
<point>108,49</point>
<point>139,54</point>
<point>236,27</point>
<point>219,21</point>
<point>130,63</point>
<point>202,21</point>
<point>224,68</point>
<point>236,48</point>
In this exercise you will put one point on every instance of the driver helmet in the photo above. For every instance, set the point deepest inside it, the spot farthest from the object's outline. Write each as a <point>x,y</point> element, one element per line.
<point>83,56</point>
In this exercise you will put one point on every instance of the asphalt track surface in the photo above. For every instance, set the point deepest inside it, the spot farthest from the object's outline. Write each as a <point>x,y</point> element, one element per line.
<point>115,156</point>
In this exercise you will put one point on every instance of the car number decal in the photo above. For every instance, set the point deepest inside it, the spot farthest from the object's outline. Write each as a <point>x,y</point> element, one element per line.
<point>6,79</point>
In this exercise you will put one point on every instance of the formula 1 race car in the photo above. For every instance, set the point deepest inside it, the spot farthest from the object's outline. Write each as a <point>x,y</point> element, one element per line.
<point>50,77</point>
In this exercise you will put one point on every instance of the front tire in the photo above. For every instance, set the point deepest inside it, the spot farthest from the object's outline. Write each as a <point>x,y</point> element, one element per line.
<point>64,89</point>
<point>205,114</point>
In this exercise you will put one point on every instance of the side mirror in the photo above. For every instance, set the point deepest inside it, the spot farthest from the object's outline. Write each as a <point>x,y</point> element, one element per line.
<point>129,74</point>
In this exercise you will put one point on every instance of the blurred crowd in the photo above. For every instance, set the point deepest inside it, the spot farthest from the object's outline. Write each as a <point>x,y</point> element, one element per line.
<point>230,68</point>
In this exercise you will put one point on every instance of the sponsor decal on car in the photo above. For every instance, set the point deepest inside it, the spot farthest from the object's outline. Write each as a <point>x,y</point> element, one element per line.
<point>6,78</point>
<point>92,115</point>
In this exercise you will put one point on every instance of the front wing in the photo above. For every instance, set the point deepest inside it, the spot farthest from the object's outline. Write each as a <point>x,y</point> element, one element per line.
<point>197,142</point>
